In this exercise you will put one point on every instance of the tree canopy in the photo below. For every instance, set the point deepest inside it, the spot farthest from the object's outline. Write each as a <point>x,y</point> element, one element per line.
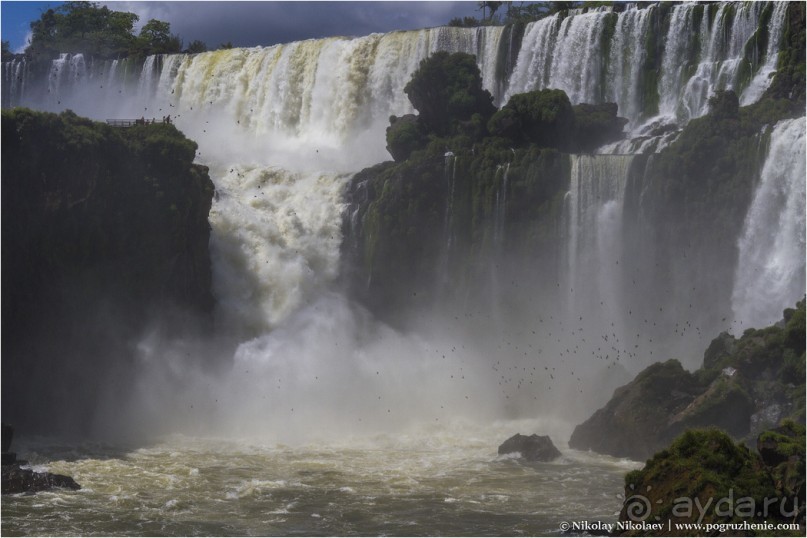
<point>447,89</point>
<point>89,28</point>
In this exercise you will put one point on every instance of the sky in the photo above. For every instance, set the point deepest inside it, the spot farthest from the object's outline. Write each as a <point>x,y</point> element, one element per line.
<point>248,24</point>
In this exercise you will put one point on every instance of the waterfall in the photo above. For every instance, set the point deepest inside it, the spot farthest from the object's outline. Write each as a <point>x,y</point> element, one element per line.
<point>340,88</point>
<point>500,212</point>
<point>625,62</point>
<point>762,79</point>
<point>770,271</point>
<point>716,58</point>
<point>14,78</point>
<point>275,242</point>
<point>594,223</point>
<point>699,55</point>
<point>305,113</point>
<point>146,84</point>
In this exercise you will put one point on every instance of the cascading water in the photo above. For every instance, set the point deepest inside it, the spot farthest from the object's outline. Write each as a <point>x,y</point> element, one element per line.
<point>280,125</point>
<point>281,88</point>
<point>770,272</point>
<point>698,57</point>
<point>282,128</point>
<point>763,77</point>
<point>594,215</point>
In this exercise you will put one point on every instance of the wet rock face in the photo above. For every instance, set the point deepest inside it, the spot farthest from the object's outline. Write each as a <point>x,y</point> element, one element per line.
<point>19,480</point>
<point>633,423</point>
<point>532,448</point>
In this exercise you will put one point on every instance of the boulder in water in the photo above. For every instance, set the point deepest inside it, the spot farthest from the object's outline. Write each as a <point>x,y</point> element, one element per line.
<point>19,480</point>
<point>15,479</point>
<point>532,448</point>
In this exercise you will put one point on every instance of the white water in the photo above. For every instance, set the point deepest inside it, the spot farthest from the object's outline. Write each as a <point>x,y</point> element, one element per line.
<point>594,208</point>
<point>281,128</point>
<point>762,79</point>
<point>330,90</point>
<point>715,60</point>
<point>564,54</point>
<point>770,272</point>
<point>444,479</point>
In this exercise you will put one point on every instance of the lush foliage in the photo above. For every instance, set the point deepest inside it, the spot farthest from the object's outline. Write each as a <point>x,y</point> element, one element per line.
<point>703,468</point>
<point>87,27</point>
<point>542,117</point>
<point>404,135</point>
<point>446,90</point>
<point>596,125</point>
<point>6,52</point>
<point>740,378</point>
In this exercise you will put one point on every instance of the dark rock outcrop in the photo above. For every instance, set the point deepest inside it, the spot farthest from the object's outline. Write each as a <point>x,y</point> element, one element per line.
<point>633,423</point>
<point>745,386</point>
<point>104,231</point>
<point>15,479</point>
<point>532,448</point>
<point>19,480</point>
<point>783,451</point>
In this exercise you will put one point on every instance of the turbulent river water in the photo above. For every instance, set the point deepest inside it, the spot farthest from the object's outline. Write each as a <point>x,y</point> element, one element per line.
<point>430,480</point>
<point>282,129</point>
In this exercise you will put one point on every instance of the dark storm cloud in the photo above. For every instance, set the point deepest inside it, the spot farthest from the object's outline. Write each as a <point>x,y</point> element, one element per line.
<point>264,23</point>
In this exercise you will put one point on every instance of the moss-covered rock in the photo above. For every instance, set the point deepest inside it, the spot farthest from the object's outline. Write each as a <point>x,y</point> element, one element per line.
<point>746,385</point>
<point>634,423</point>
<point>412,223</point>
<point>596,125</point>
<point>104,230</point>
<point>782,450</point>
<point>703,477</point>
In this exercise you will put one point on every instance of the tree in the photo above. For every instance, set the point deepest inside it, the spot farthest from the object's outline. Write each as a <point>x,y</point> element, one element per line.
<point>82,27</point>
<point>227,45</point>
<point>493,7</point>
<point>446,89</point>
<point>94,30</point>
<point>542,117</point>
<point>7,54</point>
<point>156,38</point>
<point>43,36</point>
<point>196,46</point>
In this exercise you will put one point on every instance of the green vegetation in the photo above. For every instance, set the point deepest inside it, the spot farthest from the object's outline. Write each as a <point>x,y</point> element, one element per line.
<point>195,47</point>
<point>7,55</point>
<point>700,187</point>
<point>447,91</point>
<point>543,117</point>
<point>704,477</point>
<point>693,480</point>
<point>456,114</point>
<point>87,27</point>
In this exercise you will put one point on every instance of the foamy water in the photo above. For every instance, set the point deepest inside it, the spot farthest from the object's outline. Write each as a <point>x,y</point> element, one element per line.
<point>430,480</point>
